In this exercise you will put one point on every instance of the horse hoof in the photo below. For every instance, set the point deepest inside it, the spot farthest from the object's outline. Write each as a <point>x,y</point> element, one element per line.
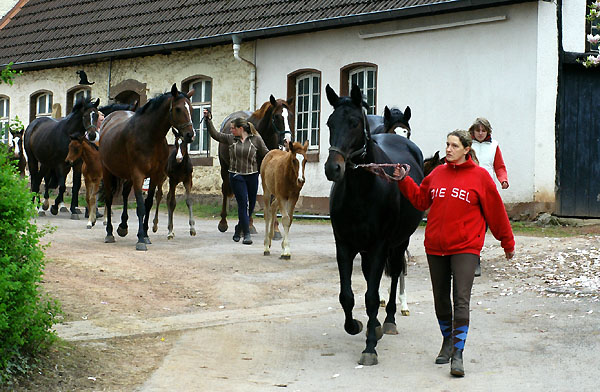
<point>253,229</point>
<point>368,359</point>
<point>382,303</point>
<point>147,240</point>
<point>122,232</point>
<point>141,246</point>
<point>74,217</point>
<point>267,253</point>
<point>77,211</point>
<point>170,236</point>
<point>354,328</point>
<point>193,232</point>
<point>46,205</point>
<point>390,329</point>
<point>89,226</point>
<point>277,236</point>
<point>154,229</point>
<point>378,332</point>
<point>222,227</point>
<point>41,213</point>
<point>109,239</point>
<point>405,312</point>
<point>285,257</point>
<point>54,210</point>
<point>64,209</point>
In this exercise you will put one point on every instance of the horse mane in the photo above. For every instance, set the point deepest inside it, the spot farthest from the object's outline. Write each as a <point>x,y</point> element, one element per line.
<point>262,112</point>
<point>157,101</point>
<point>113,107</point>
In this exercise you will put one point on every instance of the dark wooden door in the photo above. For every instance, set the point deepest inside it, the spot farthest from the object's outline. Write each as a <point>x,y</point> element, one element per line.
<point>578,149</point>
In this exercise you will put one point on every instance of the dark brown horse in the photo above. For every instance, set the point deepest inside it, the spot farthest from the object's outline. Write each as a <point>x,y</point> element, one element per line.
<point>393,121</point>
<point>47,145</point>
<point>16,151</point>
<point>134,147</point>
<point>271,122</point>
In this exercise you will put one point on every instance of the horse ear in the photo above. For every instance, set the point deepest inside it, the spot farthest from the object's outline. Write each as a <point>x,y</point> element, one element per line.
<point>407,114</point>
<point>97,103</point>
<point>332,97</point>
<point>437,155</point>
<point>387,114</point>
<point>190,93</point>
<point>273,100</point>
<point>356,95</point>
<point>174,91</point>
<point>305,145</point>
<point>290,101</point>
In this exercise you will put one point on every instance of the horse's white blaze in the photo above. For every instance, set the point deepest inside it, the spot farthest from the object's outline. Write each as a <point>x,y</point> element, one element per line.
<point>179,156</point>
<point>401,131</point>
<point>92,119</point>
<point>288,132</point>
<point>300,158</point>
<point>189,109</point>
<point>16,146</point>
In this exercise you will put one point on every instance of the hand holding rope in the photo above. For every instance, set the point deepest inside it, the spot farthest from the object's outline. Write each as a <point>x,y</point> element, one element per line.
<point>400,170</point>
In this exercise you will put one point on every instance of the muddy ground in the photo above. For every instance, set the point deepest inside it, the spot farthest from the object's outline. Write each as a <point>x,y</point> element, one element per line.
<point>206,314</point>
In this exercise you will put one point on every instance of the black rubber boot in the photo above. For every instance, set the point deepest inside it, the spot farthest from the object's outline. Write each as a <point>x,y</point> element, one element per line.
<point>236,234</point>
<point>445,351</point>
<point>478,268</point>
<point>247,238</point>
<point>456,367</point>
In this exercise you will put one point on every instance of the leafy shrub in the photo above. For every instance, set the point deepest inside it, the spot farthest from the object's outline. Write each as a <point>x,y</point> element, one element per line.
<point>26,314</point>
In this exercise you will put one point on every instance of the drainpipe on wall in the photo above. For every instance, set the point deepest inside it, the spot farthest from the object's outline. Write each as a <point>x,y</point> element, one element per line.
<point>109,78</point>
<point>236,54</point>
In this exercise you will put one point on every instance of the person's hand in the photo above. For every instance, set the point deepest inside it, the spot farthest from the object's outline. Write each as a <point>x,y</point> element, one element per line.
<point>207,114</point>
<point>509,255</point>
<point>504,184</point>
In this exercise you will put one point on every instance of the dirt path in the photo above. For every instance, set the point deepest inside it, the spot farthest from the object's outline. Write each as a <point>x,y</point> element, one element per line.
<point>204,313</point>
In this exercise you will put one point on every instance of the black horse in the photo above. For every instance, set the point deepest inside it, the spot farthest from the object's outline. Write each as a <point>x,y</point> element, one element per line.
<point>46,143</point>
<point>393,121</point>
<point>368,214</point>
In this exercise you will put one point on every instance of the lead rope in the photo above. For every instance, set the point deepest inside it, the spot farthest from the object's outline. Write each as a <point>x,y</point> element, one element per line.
<point>377,169</point>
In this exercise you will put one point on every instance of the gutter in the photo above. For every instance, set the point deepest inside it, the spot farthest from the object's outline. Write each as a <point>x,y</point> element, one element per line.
<point>269,32</point>
<point>237,41</point>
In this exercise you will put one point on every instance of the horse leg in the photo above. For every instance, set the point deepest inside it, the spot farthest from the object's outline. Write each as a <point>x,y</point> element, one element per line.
<point>276,231</point>
<point>159,195</point>
<point>62,187</point>
<point>90,199</point>
<point>372,265</point>
<point>171,203</point>
<point>147,208</point>
<point>75,190</point>
<point>122,229</point>
<point>141,210</point>
<point>188,201</point>
<point>345,258</point>
<point>268,202</point>
<point>225,192</point>
<point>287,212</point>
<point>36,180</point>
<point>108,198</point>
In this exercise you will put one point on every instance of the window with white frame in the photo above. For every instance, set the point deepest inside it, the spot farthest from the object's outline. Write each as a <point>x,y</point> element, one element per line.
<point>43,107</point>
<point>82,94</point>
<point>593,26</point>
<point>366,79</point>
<point>308,109</point>
<point>4,119</point>
<point>200,100</point>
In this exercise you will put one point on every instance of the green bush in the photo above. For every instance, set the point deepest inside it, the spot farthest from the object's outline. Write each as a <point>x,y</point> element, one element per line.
<point>26,314</point>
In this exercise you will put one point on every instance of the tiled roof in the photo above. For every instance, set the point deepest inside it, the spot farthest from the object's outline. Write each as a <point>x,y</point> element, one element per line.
<point>54,32</point>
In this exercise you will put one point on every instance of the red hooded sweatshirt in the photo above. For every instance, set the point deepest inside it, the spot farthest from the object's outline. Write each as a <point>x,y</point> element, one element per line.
<point>462,198</point>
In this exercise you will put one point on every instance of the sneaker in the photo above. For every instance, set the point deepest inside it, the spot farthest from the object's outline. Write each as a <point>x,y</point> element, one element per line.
<point>247,239</point>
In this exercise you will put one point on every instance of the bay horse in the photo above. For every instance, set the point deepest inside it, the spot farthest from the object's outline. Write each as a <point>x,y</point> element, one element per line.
<point>16,151</point>
<point>179,170</point>
<point>368,214</point>
<point>272,123</point>
<point>133,147</point>
<point>282,174</point>
<point>46,143</point>
<point>81,147</point>
<point>393,121</point>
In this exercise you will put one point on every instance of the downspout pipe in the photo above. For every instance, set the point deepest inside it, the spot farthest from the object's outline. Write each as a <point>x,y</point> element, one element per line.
<point>237,42</point>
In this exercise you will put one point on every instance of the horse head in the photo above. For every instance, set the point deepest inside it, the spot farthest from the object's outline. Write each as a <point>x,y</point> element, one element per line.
<point>280,113</point>
<point>348,132</point>
<point>75,150</point>
<point>181,148</point>
<point>431,163</point>
<point>88,111</point>
<point>180,113</point>
<point>15,143</point>
<point>394,121</point>
<point>298,152</point>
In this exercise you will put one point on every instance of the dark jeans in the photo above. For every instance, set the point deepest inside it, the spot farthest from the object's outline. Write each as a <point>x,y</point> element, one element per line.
<point>455,272</point>
<point>244,188</point>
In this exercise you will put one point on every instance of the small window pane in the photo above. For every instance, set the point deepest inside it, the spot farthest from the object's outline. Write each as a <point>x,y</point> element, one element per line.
<point>49,104</point>
<point>207,91</point>
<point>42,104</point>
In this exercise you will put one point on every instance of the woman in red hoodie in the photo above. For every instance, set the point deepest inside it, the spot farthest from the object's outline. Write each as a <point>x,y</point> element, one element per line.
<point>462,197</point>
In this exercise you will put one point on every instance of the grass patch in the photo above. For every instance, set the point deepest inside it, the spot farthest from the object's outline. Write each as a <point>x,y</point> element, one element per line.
<point>533,230</point>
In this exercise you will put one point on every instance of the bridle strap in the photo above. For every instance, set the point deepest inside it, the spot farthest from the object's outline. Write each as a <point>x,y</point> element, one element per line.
<point>181,125</point>
<point>361,152</point>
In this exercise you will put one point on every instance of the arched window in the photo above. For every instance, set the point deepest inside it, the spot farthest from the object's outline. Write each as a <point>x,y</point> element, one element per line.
<point>365,76</point>
<point>308,108</point>
<point>4,118</point>
<point>202,99</point>
<point>76,94</point>
<point>43,105</point>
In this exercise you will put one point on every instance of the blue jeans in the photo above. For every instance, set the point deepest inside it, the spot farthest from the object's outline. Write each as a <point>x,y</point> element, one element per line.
<point>244,188</point>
